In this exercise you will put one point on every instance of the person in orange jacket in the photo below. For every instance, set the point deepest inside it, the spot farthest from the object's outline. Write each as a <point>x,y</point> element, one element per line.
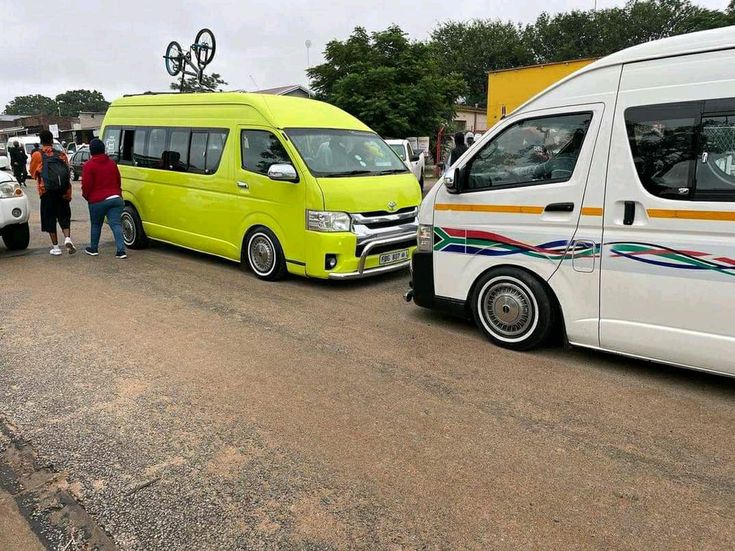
<point>51,165</point>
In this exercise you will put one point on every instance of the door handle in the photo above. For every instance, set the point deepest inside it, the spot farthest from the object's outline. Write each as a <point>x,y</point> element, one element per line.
<point>629,213</point>
<point>559,207</point>
<point>243,185</point>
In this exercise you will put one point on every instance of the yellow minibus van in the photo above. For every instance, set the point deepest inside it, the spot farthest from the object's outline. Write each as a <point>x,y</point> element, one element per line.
<point>279,184</point>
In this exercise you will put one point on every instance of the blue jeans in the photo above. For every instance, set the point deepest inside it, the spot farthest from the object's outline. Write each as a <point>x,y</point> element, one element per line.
<point>112,209</point>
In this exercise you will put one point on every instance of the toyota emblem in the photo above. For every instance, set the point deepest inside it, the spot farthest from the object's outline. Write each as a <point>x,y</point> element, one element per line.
<point>392,206</point>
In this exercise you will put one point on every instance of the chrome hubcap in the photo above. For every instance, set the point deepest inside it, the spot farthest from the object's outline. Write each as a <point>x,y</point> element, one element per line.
<point>261,254</point>
<point>509,309</point>
<point>128,228</point>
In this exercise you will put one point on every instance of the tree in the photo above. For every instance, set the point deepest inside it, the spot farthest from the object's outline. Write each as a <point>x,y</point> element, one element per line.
<point>394,85</point>
<point>209,83</point>
<point>73,102</point>
<point>472,49</point>
<point>31,105</point>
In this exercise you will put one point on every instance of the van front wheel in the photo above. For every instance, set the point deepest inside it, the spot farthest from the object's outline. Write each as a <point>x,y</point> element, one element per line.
<point>264,255</point>
<point>513,309</point>
<point>132,227</point>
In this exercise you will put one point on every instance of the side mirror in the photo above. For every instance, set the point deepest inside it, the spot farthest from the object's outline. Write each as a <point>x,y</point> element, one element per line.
<point>283,173</point>
<point>453,181</point>
<point>415,158</point>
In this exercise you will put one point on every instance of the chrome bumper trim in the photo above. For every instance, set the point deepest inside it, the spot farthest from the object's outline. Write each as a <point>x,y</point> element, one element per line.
<point>362,272</point>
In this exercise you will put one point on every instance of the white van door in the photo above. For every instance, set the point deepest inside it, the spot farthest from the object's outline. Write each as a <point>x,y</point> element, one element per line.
<point>668,268</point>
<point>521,200</point>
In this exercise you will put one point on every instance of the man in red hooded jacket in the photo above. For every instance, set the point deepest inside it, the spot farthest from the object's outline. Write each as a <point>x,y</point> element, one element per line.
<point>102,190</point>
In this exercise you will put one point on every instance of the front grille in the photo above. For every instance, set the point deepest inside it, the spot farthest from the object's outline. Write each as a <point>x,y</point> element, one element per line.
<point>386,213</point>
<point>380,249</point>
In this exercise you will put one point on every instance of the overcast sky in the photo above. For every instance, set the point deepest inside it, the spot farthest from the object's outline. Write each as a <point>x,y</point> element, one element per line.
<point>117,46</point>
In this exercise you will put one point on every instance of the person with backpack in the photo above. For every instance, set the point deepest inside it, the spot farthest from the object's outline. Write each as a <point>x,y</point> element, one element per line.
<point>102,189</point>
<point>50,168</point>
<point>18,159</point>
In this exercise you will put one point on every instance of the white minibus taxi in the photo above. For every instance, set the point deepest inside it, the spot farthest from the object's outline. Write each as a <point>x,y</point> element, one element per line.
<point>604,208</point>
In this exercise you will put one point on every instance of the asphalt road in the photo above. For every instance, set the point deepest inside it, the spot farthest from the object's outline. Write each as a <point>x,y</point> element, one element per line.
<point>187,405</point>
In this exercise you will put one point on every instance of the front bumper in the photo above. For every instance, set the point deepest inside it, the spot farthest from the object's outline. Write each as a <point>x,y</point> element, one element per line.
<point>6,211</point>
<point>422,287</point>
<point>362,271</point>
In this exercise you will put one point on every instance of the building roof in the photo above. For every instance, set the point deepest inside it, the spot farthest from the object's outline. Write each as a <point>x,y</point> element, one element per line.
<point>11,118</point>
<point>469,108</point>
<point>283,90</point>
<point>279,111</point>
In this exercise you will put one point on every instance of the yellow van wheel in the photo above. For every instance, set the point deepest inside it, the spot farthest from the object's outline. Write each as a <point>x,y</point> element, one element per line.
<point>263,254</point>
<point>133,233</point>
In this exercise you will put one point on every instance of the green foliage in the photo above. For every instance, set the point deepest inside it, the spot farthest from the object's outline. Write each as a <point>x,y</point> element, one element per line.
<point>394,85</point>
<point>474,48</point>
<point>31,105</point>
<point>73,102</point>
<point>209,83</point>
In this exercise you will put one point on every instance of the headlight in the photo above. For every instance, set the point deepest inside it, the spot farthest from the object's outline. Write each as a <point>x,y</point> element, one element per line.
<point>425,238</point>
<point>10,189</point>
<point>326,221</point>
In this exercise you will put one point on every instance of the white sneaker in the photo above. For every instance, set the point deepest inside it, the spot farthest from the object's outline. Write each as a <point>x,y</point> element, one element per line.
<point>55,251</point>
<point>69,245</point>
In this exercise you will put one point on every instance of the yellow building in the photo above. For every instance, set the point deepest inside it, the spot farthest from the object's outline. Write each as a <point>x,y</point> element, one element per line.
<point>509,88</point>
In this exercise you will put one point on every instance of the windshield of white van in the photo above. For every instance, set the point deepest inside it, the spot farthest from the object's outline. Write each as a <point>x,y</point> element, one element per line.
<point>340,153</point>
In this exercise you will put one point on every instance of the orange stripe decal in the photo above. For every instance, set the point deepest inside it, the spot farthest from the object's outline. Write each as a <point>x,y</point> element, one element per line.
<point>724,216</point>
<point>508,209</point>
<point>592,211</point>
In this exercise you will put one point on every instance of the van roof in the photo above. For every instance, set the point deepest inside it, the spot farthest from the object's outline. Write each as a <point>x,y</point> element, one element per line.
<point>279,111</point>
<point>702,41</point>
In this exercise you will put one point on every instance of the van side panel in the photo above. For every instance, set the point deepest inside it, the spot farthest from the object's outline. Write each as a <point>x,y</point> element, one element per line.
<point>668,287</point>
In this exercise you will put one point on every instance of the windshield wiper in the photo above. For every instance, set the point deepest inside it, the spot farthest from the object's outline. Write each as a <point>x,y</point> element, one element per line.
<point>394,171</point>
<point>343,174</point>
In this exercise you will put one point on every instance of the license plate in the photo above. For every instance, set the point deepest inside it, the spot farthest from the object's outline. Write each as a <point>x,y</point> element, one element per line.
<point>390,258</point>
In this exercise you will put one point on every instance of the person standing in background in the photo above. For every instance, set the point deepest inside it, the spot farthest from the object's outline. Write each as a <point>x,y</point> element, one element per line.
<point>50,168</point>
<point>101,187</point>
<point>18,159</point>
<point>458,151</point>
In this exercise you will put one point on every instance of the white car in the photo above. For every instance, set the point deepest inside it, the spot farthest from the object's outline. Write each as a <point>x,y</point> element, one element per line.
<point>14,213</point>
<point>415,162</point>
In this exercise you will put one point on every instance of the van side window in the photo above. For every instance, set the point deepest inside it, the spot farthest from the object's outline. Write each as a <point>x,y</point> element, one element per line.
<point>177,153</point>
<point>111,139</point>
<point>662,141</point>
<point>215,147</point>
<point>260,150</point>
<point>156,147</point>
<point>533,151</point>
<point>715,176</point>
<point>198,151</point>
<point>139,147</point>
<point>126,146</point>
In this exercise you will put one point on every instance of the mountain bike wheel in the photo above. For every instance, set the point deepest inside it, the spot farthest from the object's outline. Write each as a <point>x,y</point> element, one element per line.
<point>173,57</point>
<point>205,45</point>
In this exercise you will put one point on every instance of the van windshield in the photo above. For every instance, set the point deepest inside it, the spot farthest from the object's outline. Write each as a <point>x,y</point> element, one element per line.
<point>340,153</point>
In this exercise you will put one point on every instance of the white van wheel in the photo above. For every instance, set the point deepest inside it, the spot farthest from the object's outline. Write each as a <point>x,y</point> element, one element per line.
<point>513,309</point>
<point>264,255</point>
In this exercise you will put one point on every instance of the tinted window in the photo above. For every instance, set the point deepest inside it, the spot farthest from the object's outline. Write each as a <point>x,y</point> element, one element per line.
<point>533,151</point>
<point>399,149</point>
<point>178,150</point>
<point>126,150</point>
<point>715,175</point>
<point>260,150</point>
<point>156,146</point>
<point>215,146</point>
<point>198,151</point>
<point>662,139</point>
<point>111,138</point>
<point>139,147</point>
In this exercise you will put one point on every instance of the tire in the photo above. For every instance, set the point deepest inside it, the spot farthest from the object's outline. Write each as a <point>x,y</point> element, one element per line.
<point>173,58</point>
<point>204,57</point>
<point>17,236</point>
<point>262,253</point>
<point>513,309</point>
<point>133,232</point>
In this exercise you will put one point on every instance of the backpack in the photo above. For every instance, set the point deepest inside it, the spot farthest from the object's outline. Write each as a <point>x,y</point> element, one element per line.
<point>55,173</point>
